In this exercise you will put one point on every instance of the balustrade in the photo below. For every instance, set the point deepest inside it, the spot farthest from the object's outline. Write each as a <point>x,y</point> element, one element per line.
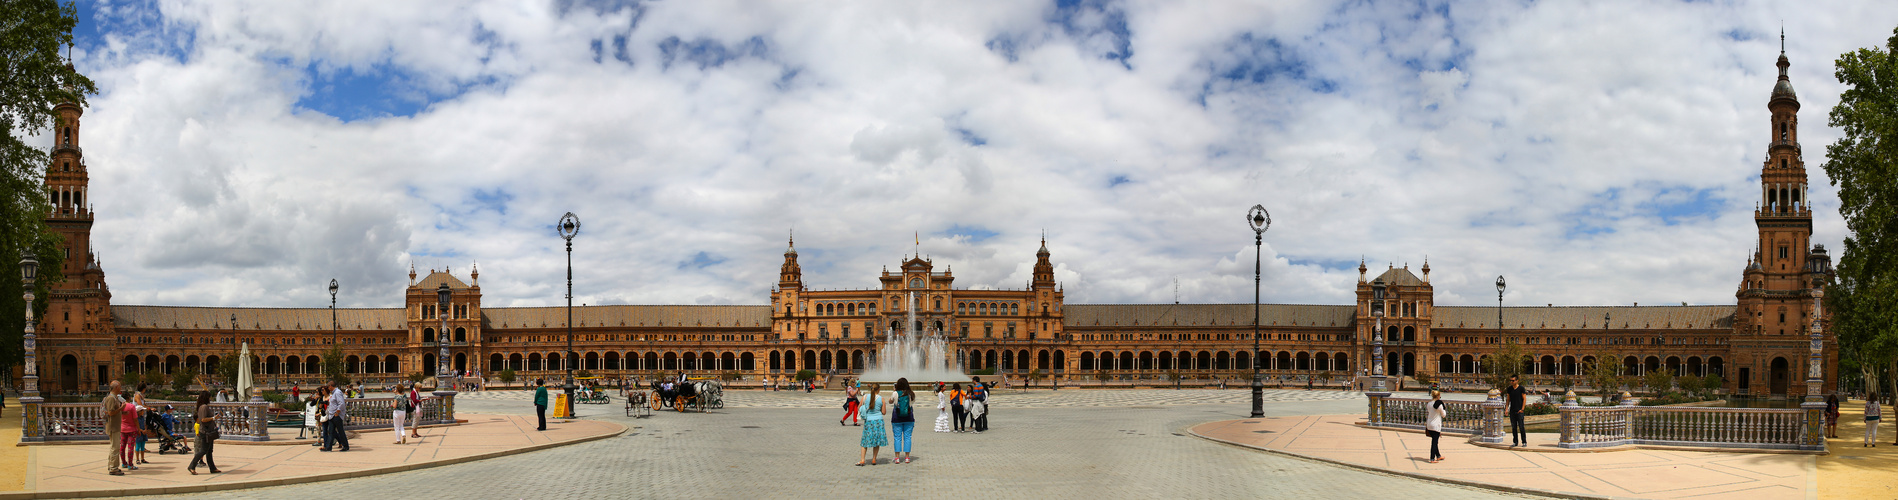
<point>86,421</point>
<point>1709,427</point>
<point>1462,417</point>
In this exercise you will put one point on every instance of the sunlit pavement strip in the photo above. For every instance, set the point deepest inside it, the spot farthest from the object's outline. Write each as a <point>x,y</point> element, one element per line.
<point>1854,471</point>
<point>1633,473</point>
<point>76,470</point>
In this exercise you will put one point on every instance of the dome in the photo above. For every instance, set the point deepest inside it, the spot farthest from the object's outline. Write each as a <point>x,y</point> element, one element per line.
<point>1784,88</point>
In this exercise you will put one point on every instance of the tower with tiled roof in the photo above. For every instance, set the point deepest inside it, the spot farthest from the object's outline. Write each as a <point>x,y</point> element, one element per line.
<point>79,309</point>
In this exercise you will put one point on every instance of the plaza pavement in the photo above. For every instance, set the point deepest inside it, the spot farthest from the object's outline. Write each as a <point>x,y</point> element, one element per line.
<point>1637,473</point>
<point>1854,471</point>
<point>71,470</point>
<point>1130,444</point>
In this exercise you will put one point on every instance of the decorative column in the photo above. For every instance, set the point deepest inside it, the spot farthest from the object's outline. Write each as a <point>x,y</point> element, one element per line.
<point>1568,426</point>
<point>1493,410</point>
<point>1814,436</point>
<point>30,429</point>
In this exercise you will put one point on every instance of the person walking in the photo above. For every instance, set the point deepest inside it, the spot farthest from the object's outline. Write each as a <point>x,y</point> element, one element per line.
<point>850,404</point>
<point>540,402</point>
<point>942,409</point>
<point>874,436</point>
<point>1872,415</point>
<point>902,421</point>
<point>338,412</point>
<point>111,406</point>
<point>1832,415</point>
<point>205,418</point>
<point>1515,395</point>
<point>1434,412</point>
<point>957,400</point>
<point>399,414</point>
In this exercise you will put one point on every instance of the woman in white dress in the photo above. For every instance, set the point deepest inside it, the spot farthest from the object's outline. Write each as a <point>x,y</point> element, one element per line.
<point>942,410</point>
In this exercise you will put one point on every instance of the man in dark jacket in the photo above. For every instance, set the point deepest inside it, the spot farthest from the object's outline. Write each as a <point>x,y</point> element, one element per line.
<point>1515,395</point>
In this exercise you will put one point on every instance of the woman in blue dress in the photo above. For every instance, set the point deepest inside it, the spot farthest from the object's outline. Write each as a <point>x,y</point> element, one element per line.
<point>874,435</point>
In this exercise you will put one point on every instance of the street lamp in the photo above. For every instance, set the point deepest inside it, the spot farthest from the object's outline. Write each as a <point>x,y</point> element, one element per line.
<point>569,227</point>
<point>1377,338</point>
<point>1500,285</point>
<point>333,323</point>
<point>29,276</point>
<point>441,359</point>
<point>1260,221</point>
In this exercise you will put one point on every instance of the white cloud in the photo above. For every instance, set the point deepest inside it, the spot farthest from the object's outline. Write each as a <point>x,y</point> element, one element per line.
<point>1542,142</point>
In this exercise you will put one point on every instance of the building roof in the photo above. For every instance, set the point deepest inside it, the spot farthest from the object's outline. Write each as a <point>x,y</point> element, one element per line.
<point>1399,276</point>
<point>634,316</point>
<point>1206,315</point>
<point>436,278</point>
<point>1586,317</point>
<point>254,318</point>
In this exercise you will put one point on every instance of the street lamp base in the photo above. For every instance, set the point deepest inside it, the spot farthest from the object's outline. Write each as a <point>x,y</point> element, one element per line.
<point>1258,397</point>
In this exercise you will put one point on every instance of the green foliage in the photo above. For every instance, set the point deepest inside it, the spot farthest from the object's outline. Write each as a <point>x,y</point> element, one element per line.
<point>227,365</point>
<point>730,376</point>
<point>33,79</point>
<point>333,365</point>
<point>1711,383</point>
<point>1497,369</point>
<point>1425,378</point>
<point>583,373</point>
<point>803,375</point>
<point>507,376</point>
<point>1604,374</point>
<point>1689,384</point>
<point>1863,163</point>
<point>152,377</point>
<point>1565,382</point>
<point>181,380</point>
<point>984,371</point>
<point>417,377</point>
<point>1539,409</point>
<point>1102,375</point>
<point>1658,381</point>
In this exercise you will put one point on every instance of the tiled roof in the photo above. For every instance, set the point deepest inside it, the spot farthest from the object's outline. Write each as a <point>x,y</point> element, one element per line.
<point>632,316</point>
<point>1206,314</point>
<point>1399,276</point>
<point>436,278</point>
<point>1586,317</point>
<point>253,318</point>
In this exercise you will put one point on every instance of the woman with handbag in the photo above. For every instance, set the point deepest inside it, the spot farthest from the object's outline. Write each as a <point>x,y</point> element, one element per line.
<point>1434,412</point>
<point>206,422</point>
<point>415,409</point>
<point>400,413</point>
<point>850,405</point>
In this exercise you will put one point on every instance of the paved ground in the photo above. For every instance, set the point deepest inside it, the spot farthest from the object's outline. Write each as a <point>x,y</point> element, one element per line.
<point>1631,473</point>
<point>81,468</point>
<point>1854,471</point>
<point>1070,398</point>
<point>12,458</point>
<point>1131,445</point>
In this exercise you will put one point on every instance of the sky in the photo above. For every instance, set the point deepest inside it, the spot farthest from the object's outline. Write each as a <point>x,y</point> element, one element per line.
<point>1594,153</point>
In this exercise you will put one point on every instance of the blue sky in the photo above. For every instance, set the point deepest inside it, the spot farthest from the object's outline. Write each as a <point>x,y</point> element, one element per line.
<point>1593,152</point>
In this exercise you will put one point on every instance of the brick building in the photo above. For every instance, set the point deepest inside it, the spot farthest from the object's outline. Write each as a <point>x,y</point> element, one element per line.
<point>1758,345</point>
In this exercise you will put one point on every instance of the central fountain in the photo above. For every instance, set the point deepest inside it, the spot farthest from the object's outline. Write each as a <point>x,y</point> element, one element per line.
<point>918,356</point>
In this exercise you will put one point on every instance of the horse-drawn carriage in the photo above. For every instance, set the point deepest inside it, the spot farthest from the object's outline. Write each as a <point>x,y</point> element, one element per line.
<point>696,395</point>
<point>637,404</point>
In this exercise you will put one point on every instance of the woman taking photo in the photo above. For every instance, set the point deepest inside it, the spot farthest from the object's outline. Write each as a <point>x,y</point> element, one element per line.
<point>206,421</point>
<point>874,437</point>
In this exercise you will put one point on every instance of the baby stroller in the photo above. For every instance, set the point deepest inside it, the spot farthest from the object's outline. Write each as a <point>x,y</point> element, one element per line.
<point>160,424</point>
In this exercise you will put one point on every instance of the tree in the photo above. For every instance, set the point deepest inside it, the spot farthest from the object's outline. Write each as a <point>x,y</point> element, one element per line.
<point>34,77</point>
<point>227,367</point>
<point>1604,374</point>
<point>153,378</point>
<point>1863,163</point>
<point>333,365</point>
<point>181,380</point>
<point>1497,369</point>
<point>1658,381</point>
<point>803,375</point>
<point>507,376</point>
<point>1036,376</point>
<point>1689,383</point>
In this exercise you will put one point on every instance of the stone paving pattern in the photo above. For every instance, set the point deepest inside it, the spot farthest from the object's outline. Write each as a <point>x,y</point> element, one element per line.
<point>1854,471</point>
<point>1633,473</point>
<point>1066,398</point>
<point>1118,449</point>
<point>82,467</point>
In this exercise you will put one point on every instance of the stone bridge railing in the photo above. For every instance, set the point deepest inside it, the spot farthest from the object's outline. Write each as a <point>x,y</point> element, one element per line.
<point>54,422</point>
<point>1596,427</point>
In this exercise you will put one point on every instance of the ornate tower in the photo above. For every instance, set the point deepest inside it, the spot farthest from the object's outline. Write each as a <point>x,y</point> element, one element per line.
<point>1778,283</point>
<point>80,306</point>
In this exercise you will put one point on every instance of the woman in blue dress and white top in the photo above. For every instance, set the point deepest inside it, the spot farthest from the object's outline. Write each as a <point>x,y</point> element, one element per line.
<point>875,437</point>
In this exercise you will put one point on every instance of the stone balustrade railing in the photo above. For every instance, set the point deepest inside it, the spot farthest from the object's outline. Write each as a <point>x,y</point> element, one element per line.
<point>1595,427</point>
<point>55,422</point>
<point>1463,417</point>
<point>1756,428</point>
<point>86,421</point>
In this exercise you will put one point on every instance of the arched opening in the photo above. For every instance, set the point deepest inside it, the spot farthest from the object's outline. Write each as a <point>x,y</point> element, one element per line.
<point>1630,366</point>
<point>1653,365</point>
<point>992,359</point>
<point>1304,361</point>
<point>352,364</point>
<point>776,364</point>
<point>534,362</point>
<point>1204,361</point>
<point>1716,367</point>
<point>515,362</point>
<point>1674,366</point>
<point>68,372</point>
<point>171,364</point>
<point>856,360</point>
<point>428,335</point>
<point>823,360</point>
<point>461,363</point>
<point>1222,361</point>
<point>1466,364</point>
<point>312,365</point>
<point>1087,360</point>
<point>1285,360</point>
<point>612,360</point>
<point>810,360</point>
<point>1060,360</point>
<point>729,361</point>
<point>1042,360</point>
<point>747,362</point>
<point>1781,376</point>
<point>1695,367</point>
<point>1322,361</point>
<point>1242,360</point>
<point>1021,360</point>
<point>461,334</point>
<point>1410,334</point>
<point>1164,360</point>
<point>371,364</point>
<point>391,364</point>
<point>1341,361</point>
<point>1410,364</point>
<point>1569,367</point>
<point>1446,364</point>
<point>292,365</point>
<point>429,366</point>
<point>652,361</point>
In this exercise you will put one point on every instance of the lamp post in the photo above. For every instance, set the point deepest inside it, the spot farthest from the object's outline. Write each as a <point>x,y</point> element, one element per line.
<point>1500,285</point>
<point>1260,221</point>
<point>333,323</point>
<point>569,227</point>
<point>442,294</point>
<point>1377,339</point>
